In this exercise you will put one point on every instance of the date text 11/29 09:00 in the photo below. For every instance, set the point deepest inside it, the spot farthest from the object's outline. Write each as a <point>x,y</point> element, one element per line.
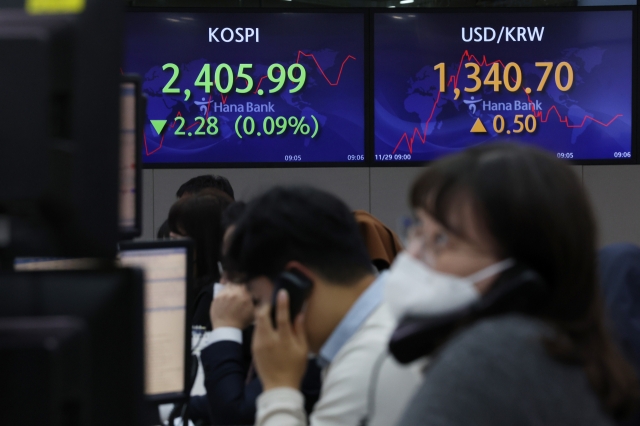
<point>392,157</point>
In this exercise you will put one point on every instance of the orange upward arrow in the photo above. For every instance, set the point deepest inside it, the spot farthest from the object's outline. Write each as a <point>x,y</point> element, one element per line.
<point>478,127</point>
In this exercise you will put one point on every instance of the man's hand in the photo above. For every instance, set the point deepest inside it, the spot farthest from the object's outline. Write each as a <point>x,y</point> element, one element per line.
<point>232,307</point>
<point>280,355</point>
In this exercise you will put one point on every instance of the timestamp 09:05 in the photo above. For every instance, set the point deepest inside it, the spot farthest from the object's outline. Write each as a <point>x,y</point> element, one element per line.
<point>393,157</point>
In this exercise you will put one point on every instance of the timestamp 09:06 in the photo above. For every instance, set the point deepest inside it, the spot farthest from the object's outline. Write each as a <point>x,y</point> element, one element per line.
<point>393,157</point>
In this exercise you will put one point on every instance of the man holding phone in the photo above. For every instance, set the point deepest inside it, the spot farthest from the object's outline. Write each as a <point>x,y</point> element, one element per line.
<point>304,243</point>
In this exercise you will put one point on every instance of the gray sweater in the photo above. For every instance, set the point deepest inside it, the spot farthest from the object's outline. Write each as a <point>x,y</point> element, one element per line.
<point>497,372</point>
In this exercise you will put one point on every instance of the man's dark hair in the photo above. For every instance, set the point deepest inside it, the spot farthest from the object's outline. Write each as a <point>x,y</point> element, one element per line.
<point>195,185</point>
<point>298,223</point>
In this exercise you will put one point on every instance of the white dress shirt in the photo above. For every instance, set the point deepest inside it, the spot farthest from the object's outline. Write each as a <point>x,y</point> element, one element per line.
<point>353,358</point>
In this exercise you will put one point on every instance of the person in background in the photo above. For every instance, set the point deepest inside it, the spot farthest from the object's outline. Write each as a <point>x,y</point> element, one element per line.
<point>164,233</point>
<point>192,187</point>
<point>344,321</point>
<point>230,216</point>
<point>230,380</point>
<point>199,217</point>
<point>620,285</point>
<point>195,185</point>
<point>199,409</point>
<point>499,282</point>
<point>383,245</point>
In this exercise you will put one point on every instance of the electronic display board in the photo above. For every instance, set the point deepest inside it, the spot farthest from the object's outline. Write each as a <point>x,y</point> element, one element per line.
<point>562,80</point>
<point>231,88</point>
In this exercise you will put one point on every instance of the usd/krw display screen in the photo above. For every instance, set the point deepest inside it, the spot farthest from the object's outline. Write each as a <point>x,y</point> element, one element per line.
<point>249,87</point>
<point>561,80</point>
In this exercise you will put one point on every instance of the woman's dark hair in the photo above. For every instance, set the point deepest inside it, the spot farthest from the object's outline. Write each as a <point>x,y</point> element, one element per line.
<point>232,214</point>
<point>163,231</point>
<point>195,185</point>
<point>199,217</point>
<point>538,213</point>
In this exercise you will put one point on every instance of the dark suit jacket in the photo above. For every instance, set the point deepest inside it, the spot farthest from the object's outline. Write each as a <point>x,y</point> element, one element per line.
<point>231,399</point>
<point>201,307</point>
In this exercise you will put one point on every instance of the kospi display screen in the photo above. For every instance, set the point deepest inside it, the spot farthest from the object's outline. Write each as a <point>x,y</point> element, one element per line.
<point>238,87</point>
<point>561,80</point>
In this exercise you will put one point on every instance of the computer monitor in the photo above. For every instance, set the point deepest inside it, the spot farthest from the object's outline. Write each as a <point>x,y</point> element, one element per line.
<point>167,267</point>
<point>22,264</point>
<point>60,156</point>
<point>45,359</point>
<point>130,201</point>
<point>560,79</point>
<point>71,347</point>
<point>250,87</point>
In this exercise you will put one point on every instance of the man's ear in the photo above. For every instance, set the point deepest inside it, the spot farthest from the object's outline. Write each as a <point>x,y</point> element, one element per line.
<point>294,264</point>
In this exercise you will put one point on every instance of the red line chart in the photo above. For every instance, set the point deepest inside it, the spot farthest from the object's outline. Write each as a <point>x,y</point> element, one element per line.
<point>300,52</point>
<point>422,136</point>
<point>309,55</point>
<point>224,98</point>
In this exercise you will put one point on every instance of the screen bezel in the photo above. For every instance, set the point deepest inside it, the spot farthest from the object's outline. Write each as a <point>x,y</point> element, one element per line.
<point>188,245</point>
<point>367,49</point>
<point>140,111</point>
<point>635,114</point>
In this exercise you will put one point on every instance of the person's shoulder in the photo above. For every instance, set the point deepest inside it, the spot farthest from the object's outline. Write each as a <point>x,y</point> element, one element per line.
<point>499,366</point>
<point>368,343</point>
<point>206,290</point>
<point>381,317</point>
<point>495,340</point>
<point>510,329</point>
<point>376,329</point>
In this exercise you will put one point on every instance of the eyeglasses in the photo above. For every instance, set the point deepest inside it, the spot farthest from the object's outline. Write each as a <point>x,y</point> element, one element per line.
<point>424,245</point>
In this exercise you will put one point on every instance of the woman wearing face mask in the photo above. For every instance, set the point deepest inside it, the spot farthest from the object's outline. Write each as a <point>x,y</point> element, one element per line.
<point>498,285</point>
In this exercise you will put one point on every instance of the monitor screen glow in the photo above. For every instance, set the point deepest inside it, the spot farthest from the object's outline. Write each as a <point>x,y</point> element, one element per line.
<point>249,88</point>
<point>128,157</point>
<point>165,319</point>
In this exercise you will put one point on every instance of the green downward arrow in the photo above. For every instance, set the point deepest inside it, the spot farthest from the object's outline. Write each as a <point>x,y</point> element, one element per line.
<point>158,125</point>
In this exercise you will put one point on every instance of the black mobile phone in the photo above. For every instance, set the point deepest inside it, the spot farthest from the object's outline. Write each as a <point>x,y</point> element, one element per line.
<point>297,285</point>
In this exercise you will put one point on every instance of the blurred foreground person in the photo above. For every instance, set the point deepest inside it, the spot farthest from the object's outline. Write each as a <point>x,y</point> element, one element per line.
<point>499,283</point>
<point>309,237</point>
<point>620,284</point>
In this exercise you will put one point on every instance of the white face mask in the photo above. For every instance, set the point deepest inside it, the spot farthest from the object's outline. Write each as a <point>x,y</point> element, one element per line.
<point>413,288</point>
